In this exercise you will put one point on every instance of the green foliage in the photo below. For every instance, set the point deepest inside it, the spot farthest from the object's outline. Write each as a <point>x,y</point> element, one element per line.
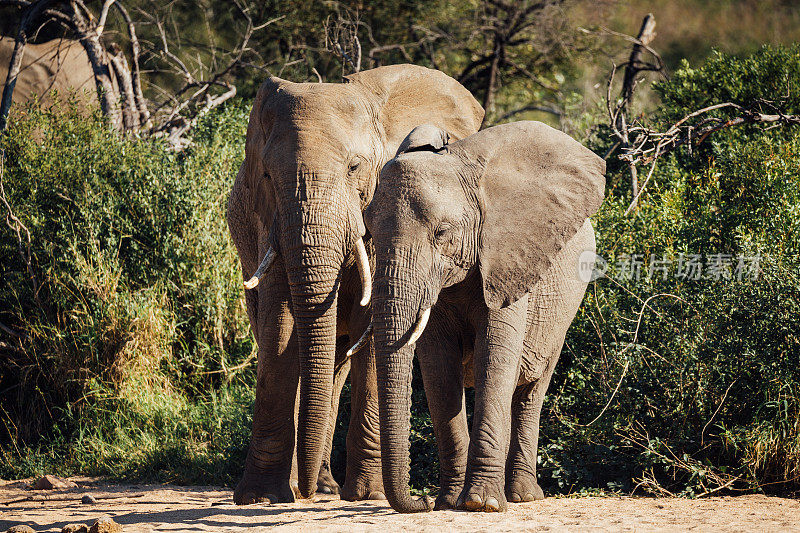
<point>706,369</point>
<point>118,339</point>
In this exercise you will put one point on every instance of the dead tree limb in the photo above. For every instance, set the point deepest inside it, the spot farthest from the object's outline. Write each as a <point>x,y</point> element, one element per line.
<point>646,35</point>
<point>117,74</point>
<point>341,38</point>
<point>649,145</point>
<point>34,10</point>
<point>618,114</point>
<point>136,77</point>
<point>90,39</point>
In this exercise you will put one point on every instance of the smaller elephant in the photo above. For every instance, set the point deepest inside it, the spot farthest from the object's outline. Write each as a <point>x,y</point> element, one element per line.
<point>478,245</point>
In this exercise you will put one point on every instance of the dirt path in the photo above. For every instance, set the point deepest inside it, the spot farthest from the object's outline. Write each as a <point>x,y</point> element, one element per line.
<point>210,509</point>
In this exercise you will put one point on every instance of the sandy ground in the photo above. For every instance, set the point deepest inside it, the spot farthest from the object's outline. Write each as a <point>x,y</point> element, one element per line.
<point>210,509</point>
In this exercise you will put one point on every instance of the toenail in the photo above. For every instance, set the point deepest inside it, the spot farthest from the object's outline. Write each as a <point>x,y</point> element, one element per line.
<point>492,504</point>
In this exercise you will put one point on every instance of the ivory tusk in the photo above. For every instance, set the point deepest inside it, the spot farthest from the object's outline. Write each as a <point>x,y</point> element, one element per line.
<point>361,342</point>
<point>362,261</point>
<point>419,327</point>
<point>269,257</point>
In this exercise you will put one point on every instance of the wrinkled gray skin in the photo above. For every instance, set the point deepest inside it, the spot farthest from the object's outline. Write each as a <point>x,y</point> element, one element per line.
<point>487,232</point>
<point>312,159</point>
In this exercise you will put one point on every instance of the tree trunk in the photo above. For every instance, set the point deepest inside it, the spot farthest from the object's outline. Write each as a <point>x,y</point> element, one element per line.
<point>16,59</point>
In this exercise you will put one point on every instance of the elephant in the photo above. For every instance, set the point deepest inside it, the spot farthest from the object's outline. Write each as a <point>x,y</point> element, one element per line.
<point>60,64</point>
<point>313,154</point>
<point>477,247</point>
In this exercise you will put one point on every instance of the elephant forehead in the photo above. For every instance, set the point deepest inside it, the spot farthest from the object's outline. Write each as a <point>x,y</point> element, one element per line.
<point>425,184</point>
<point>425,171</point>
<point>331,104</point>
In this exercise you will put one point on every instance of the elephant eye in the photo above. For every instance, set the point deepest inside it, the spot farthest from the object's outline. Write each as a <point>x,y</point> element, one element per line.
<point>353,166</point>
<point>442,232</point>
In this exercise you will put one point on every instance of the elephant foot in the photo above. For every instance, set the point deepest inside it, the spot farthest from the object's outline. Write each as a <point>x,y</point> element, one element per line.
<point>524,489</point>
<point>363,490</point>
<point>488,497</point>
<point>264,490</point>
<point>325,482</point>
<point>448,498</point>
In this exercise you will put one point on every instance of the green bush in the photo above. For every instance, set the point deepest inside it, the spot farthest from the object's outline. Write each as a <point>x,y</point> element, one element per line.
<point>706,371</point>
<point>119,338</point>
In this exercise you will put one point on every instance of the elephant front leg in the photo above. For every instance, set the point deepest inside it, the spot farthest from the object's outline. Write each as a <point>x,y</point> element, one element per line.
<point>440,359</point>
<point>364,480</point>
<point>498,349</point>
<point>269,458</point>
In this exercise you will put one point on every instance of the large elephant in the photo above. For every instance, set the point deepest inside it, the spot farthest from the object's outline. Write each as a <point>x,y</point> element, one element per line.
<point>312,159</point>
<point>60,65</point>
<point>479,240</point>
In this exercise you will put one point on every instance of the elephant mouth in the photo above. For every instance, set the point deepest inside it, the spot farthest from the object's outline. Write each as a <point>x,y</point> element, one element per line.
<point>362,263</point>
<point>416,333</point>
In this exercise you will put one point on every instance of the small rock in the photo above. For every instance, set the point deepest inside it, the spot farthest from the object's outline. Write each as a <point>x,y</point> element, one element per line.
<point>75,528</point>
<point>49,482</point>
<point>20,529</point>
<point>105,525</point>
<point>88,499</point>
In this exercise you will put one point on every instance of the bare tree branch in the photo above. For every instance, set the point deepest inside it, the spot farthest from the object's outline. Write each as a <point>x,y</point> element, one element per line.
<point>619,113</point>
<point>341,37</point>
<point>16,58</point>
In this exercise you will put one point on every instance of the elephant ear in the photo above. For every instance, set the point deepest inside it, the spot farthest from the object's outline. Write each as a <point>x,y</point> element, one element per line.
<point>259,130</point>
<point>536,188</point>
<point>410,95</point>
<point>425,138</point>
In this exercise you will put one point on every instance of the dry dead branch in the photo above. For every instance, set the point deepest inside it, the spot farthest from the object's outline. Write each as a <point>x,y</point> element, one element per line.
<point>639,144</point>
<point>118,73</point>
<point>341,38</point>
<point>648,145</point>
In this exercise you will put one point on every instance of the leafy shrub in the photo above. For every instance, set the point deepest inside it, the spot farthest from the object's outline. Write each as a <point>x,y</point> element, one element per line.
<point>118,338</point>
<point>683,385</point>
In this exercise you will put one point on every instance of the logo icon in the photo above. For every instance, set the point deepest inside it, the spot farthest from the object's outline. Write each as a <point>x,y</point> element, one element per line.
<point>591,266</point>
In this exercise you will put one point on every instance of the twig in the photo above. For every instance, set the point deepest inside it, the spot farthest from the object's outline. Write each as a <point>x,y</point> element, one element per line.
<point>633,342</point>
<point>722,401</point>
<point>16,225</point>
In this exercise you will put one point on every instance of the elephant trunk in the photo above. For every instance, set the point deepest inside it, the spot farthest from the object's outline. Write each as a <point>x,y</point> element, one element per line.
<point>314,256</point>
<point>394,316</point>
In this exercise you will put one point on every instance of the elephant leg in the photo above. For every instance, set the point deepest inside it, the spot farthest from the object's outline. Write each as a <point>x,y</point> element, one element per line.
<point>521,482</point>
<point>440,360</point>
<point>269,458</point>
<point>498,350</point>
<point>364,478</point>
<point>325,482</point>
<point>553,302</point>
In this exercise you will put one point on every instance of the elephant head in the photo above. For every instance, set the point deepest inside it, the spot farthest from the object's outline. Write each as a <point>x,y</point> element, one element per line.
<point>312,160</point>
<point>495,207</point>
